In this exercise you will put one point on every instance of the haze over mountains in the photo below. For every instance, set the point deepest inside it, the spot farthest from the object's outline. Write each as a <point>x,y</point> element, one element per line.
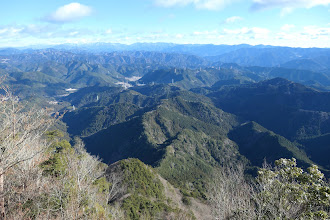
<point>243,54</point>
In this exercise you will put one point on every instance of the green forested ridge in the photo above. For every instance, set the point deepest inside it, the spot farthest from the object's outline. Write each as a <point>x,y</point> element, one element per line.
<point>170,124</point>
<point>287,108</point>
<point>94,119</point>
<point>143,196</point>
<point>196,132</point>
<point>317,147</point>
<point>259,144</point>
<point>174,108</point>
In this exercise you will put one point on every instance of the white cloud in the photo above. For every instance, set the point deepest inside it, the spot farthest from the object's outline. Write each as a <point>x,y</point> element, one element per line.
<point>73,33</point>
<point>233,19</point>
<point>205,32</point>
<point>286,11</point>
<point>243,30</point>
<point>253,31</point>
<point>170,3</point>
<point>257,30</point>
<point>179,36</point>
<point>42,32</point>
<point>286,36</point>
<point>200,4</point>
<point>25,30</point>
<point>287,5</point>
<point>245,34</point>
<point>68,13</point>
<point>308,36</point>
<point>314,31</point>
<point>10,31</point>
<point>287,27</point>
<point>109,31</point>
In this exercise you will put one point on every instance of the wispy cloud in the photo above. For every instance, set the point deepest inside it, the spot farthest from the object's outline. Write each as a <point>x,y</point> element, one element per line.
<point>205,33</point>
<point>179,36</point>
<point>69,13</point>
<point>287,5</point>
<point>255,32</point>
<point>233,19</point>
<point>42,32</point>
<point>308,36</point>
<point>315,32</point>
<point>287,27</point>
<point>26,30</point>
<point>109,31</point>
<point>287,35</point>
<point>200,4</point>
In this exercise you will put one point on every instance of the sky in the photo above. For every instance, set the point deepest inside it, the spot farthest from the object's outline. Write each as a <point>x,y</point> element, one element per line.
<point>294,23</point>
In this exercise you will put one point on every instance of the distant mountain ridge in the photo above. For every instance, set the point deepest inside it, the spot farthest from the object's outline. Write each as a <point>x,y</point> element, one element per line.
<point>309,66</point>
<point>243,54</point>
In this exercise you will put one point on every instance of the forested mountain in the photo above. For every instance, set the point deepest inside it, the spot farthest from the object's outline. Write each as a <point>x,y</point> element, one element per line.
<point>169,122</point>
<point>288,108</point>
<point>176,127</point>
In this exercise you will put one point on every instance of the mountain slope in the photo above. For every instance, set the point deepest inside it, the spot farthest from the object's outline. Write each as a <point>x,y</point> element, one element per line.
<point>289,109</point>
<point>182,129</point>
<point>318,148</point>
<point>257,143</point>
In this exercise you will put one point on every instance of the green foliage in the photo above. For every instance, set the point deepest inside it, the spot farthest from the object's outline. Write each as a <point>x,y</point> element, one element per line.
<point>102,184</point>
<point>140,179</point>
<point>289,192</point>
<point>140,207</point>
<point>186,200</point>
<point>78,175</point>
<point>57,164</point>
<point>191,158</point>
<point>55,134</point>
<point>146,198</point>
<point>189,173</point>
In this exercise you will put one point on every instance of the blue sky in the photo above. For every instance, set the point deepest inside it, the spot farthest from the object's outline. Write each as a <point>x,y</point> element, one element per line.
<point>297,23</point>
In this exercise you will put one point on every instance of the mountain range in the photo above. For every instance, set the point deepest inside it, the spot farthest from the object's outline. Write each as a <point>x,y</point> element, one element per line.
<point>185,110</point>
